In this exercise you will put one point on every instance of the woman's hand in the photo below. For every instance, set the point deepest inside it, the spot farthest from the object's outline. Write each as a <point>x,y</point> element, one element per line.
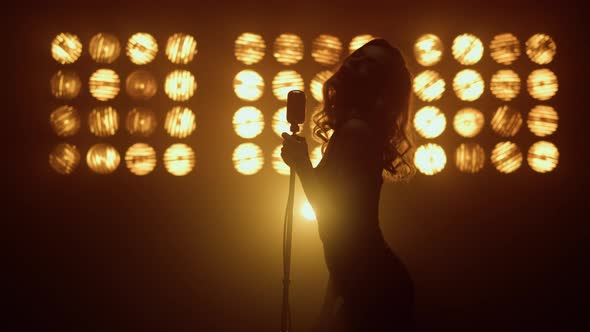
<point>294,151</point>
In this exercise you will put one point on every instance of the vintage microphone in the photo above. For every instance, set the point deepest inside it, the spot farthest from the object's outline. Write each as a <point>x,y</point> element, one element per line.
<point>295,116</point>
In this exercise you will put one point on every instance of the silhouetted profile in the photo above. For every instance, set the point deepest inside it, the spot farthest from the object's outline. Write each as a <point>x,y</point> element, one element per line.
<point>366,104</point>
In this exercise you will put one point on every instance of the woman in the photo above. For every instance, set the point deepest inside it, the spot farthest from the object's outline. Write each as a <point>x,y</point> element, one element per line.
<point>366,104</point>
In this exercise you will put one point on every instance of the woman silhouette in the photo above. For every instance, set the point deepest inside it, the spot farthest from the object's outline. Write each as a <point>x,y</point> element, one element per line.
<point>366,104</point>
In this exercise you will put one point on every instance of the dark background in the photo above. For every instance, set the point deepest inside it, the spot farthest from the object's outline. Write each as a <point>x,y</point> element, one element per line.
<point>488,252</point>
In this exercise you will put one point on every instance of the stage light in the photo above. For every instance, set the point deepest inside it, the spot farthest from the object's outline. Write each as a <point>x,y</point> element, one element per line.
<point>506,121</point>
<point>468,122</point>
<point>430,122</point>
<point>280,123</point>
<point>104,48</point>
<point>248,158</point>
<point>468,85</point>
<point>103,158</point>
<point>104,84</point>
<point>65,84</point>
<point>288,49</point>
<point>181,48</point>
<point>542,120</point>
<point>248,85</point>
<point>179,159</point>
<point>470,158</point>
<point>505,84</point>
<point>307,212</point>
<point>141,85</point>
<point>542,84</point>
<point>506,157</point>
<point>541,49</point>
<point>180,122</point>
<point>249,48</point>
<point>285,81</point>
<point>64,158</point>
<point>467,49</point>
<point>358,41</point>
<point>316,85</point>
<point>180,85</point>
<point>142,48</point>
<point>316,156</point>
<point>248,122</point>
<point>430,159</point>
<point>543,157</point>
<point>140,158</point>
<point>141,122</point>
<point>66,48</point>
<point>103,121</point>
<point>326,49</point>
<point>277,162</point>
<point>429,85</point>
<point>428,50</point>
<point>65,121</point>
<point>505,48</point>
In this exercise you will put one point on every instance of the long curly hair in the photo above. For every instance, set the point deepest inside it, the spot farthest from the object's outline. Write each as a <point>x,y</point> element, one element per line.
<point>384,102</point>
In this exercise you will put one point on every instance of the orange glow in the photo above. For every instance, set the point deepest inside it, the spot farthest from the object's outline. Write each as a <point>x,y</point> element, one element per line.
<point>307,211</point>
<point>248,85</point>
<point>248,158</point>
<point>429,85</point>
<point>358,41</point>
<point>542,84</point>
<point>249,48</point>
<point>180,122</point>
<point>65,121</point>
<point>104,48</point>
<point>141,121</point>
<point>288,49</point>
<point>317,84</point>
<point>430,122</point>
<point>428,50</point>
<point>430,159</point>
<point>506,157</point>
<point>280,123</point>
<point>505,48</point>
<point>180,85</point>
<point>104,84</point>
<point>468,85</point>
<point>103,121</point>
<point>470,158</point>
<point>248,122</point>
<point>277,162</point>
<point>542,120</point>
<point>506,121</point>
<point>505,84</point>
<point>103,158</point>
<point>64,158</point>
<point>141,85</point>
<point>467,49</point>
<point>66,48</point>
<point>543,157</point>
<point>142,48</point>
<point>541,49</point>
<point>316,155</point>
<point>140,159</point>
<point>468,122</point>
<point>179,159</point>
<point>286,81</point>
<point>326,49</point>
<point>65,84</point>
<point>181,48</point>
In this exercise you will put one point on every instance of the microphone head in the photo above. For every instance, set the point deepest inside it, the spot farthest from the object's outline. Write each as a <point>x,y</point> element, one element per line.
<point>296,107</point>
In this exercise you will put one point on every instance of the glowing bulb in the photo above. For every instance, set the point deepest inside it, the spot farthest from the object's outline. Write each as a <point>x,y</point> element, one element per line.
<point>141,85</point>
<point>179,159</point>
<point>468,85</point>
<point>326,49</point>
<point>65,84</point>
<point>104,48</point>
<point>66,48</point>
<point>249,48</point>
<point>180,122</point>
<point>430,122</point>
<point>140,158</point>
<point>541,49</point>
<point>430,159</point>
<point>103,158</point>
<point>505,48</point>
<point>248,85</point>
<point>468,122</point>
<point>307,212</point>
<point>248,122</point>
<point>277,162</point>
<point>104,84</point>
<point>543,157</point>
<point>470,158</point>
<point>65,121</point>
<point>141,121</point>
<point>316,156</point>
<point>542,84</point>
<point>142,48</point>
<point>506,157</point>
<point>180,85</point>
<point>103,121</point>
<point>429,85</point>
<point>317,84</point>
<point>428,50</point>
<point>288,49</point>
<point>358,42</point>
<point>248,158</point>
<point>181,48</point>
<point>64,158</point>
<point>505,84</point>
<point>286,81</point>
<point>280,123</point>
<point>542,120</point>
<point>467,49</point>
<point>506,121</point>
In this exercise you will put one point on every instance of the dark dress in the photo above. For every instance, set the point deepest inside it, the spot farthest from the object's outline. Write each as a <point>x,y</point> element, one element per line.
<point>375,286</point>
